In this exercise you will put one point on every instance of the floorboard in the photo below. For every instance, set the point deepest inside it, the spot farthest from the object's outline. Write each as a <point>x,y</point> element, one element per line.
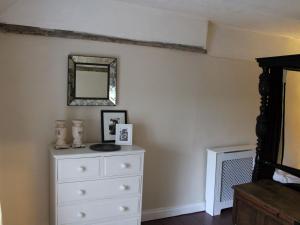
<point>200,218</point>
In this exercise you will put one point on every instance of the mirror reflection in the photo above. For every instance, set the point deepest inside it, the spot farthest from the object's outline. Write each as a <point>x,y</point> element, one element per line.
<point>290,138</point>
<point>91,81</point>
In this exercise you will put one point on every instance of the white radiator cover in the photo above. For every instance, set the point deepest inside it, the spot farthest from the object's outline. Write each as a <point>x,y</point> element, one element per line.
<point>226,167</point>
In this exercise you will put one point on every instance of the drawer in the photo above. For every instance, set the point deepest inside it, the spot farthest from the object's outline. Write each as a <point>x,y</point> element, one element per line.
<point>68,192</point>
<point>123,165</point>
<point>120,222</point>
<point>82,213</point>
<point>78,168</point>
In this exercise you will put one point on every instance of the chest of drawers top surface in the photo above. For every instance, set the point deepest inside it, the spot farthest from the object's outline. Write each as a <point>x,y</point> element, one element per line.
<point>87,152</point>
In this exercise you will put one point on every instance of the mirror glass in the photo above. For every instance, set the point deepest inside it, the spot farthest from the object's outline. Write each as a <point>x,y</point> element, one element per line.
<point>92,80</point>
<point>289,155</point>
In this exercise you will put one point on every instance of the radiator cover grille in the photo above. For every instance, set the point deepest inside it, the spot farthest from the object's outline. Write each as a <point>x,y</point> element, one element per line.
<point>234,172</point>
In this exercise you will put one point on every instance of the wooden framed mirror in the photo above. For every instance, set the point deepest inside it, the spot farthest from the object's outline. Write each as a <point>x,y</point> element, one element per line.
<point>271,123</point>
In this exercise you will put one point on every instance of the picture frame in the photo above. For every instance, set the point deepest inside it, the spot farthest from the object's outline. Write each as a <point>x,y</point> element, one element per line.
<point>109,119</point>
<point>124,134</point>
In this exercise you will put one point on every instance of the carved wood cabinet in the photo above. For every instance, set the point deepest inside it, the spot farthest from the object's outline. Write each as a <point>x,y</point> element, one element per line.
<point>266,203</point>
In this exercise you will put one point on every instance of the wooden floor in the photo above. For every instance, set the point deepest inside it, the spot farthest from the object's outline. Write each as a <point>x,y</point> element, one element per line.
<point>201,218</point>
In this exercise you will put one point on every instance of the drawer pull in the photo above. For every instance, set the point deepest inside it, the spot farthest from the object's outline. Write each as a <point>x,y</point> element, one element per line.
<point>124,187</point>
<point>81,192</point>
<point>123,208</point>
<point>125,165</point>
<point>81,215</point>
<point>81,169</point>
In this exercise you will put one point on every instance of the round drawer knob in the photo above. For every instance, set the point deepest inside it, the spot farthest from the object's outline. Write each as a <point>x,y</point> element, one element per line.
<point>81,192</point>
<point>81,169</point>
<point>81,215</point>
<point>124,187</point>
<point>123,208</point>
<point>125,165</point>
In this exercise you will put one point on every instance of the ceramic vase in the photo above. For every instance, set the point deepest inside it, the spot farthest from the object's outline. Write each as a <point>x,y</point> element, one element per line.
<point>61,133</point>
<point>77,133</point>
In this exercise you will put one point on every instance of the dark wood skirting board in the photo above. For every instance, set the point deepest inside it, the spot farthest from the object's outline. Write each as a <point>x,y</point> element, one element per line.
<point>29,30</point>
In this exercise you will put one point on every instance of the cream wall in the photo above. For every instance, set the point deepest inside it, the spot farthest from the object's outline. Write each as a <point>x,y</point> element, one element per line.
<point>179,102</point>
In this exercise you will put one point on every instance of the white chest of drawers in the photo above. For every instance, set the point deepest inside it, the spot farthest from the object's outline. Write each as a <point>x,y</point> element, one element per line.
<point>96,188</point>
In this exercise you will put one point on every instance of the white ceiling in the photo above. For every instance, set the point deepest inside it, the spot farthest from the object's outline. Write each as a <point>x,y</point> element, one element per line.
<point>279,17</point>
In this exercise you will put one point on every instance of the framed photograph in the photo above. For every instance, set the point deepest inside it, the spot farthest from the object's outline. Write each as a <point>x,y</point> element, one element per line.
<point>124,134</point>
<point>109,120</point>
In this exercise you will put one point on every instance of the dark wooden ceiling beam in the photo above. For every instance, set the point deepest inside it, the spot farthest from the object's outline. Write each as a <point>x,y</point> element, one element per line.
<point>29,30</point>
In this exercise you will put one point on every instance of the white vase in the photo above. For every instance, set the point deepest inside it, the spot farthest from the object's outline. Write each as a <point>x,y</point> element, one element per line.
<point>77,133</point>
<point>61,133</point>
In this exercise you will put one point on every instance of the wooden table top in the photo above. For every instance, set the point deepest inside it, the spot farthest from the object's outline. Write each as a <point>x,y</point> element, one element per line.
<point>281,200</point>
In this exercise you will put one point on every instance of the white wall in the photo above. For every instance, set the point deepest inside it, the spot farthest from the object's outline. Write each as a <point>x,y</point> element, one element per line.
<point>179,102</point>
<point>109,18</point>
<point>228,42</point>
